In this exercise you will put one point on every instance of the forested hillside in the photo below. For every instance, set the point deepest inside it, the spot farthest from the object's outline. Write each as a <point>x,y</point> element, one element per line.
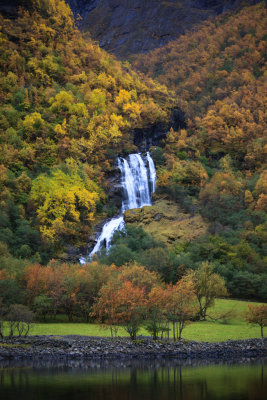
<point>217,165</point>
<point>67,108</point>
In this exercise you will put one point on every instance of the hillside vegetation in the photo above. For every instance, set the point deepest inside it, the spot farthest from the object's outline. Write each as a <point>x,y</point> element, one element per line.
<point>217,165</point>
<point>66,111</point>
<point>219,75</point>
<point>233,328</point>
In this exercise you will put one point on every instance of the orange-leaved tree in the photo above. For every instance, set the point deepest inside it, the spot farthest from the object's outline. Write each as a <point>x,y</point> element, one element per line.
<point>106,307</point>
<point>180,305</point>
<point>120,304</point>
<point>139,276</point>
<point>257,315</point>
<point>156,317</point>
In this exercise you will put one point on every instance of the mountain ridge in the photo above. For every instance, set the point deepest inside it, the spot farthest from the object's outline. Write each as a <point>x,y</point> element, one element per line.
<point>130,27</point>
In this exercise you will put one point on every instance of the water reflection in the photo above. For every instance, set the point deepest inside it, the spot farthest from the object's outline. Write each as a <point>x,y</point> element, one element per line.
<point>129,380</point>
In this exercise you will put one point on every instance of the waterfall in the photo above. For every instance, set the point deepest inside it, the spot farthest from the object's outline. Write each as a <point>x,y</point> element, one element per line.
<point>128,184</point>
<point>138,179</point>
<point>135,182</point>
<point>116,224</point>
<point>152,172</point>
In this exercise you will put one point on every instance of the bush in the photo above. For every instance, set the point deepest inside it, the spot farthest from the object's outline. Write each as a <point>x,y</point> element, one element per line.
<point>20,319</point>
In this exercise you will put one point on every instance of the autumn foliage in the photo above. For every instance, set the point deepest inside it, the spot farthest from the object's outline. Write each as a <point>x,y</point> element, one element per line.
<point>130,296</point>
<point>122,305</point>
<point>218,72</point>
<point>216,165</point>
<point>66,109</point>
<point>257,315</point>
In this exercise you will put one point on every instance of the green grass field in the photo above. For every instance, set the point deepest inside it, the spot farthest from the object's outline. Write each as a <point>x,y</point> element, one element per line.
<point>210,331</point>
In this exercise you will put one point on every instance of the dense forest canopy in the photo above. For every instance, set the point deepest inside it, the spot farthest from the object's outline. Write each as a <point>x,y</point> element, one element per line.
<point>67,109</point>
<point>217,165</point>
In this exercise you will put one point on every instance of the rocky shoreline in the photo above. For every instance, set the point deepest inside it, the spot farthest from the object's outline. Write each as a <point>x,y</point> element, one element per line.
<point>99,348</point>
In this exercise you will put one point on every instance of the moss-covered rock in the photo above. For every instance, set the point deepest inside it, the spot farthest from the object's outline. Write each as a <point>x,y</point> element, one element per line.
<point>166,221</point>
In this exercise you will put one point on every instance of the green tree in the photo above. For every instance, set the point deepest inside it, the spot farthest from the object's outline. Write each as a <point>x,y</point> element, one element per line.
<point>208,286</point>
<point>10,292</point>
<point>42,305</point>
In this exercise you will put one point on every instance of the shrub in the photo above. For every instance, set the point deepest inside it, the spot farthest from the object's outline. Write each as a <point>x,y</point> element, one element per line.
<point>20,319</point>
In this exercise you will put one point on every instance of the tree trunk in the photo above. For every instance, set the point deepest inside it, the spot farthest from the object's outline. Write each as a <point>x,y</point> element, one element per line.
<point>155,337</point>
<point>70,316</point>
<point>28,325</point>
<point>11,329</point>
<point>173,329</point>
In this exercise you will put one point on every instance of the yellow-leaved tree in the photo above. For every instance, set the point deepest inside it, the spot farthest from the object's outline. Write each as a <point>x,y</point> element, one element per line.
<point>65,202</point>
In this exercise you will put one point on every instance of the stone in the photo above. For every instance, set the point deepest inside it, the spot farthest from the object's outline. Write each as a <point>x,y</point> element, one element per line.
<point>94,348</point>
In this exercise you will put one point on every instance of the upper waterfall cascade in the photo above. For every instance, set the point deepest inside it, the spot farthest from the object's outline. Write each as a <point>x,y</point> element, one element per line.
<point>138,180</point>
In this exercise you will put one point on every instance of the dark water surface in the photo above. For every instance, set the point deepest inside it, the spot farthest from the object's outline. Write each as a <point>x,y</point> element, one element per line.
<point>128,380</point>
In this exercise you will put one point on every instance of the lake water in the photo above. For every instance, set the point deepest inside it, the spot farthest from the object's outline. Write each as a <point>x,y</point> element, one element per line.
<point>133,380</point>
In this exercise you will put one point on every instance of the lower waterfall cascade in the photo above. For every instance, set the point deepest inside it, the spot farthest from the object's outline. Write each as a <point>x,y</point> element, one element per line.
<point>138,180</point>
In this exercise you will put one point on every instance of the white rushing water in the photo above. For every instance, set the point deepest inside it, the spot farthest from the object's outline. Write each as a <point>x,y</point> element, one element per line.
<point>110,227</point>
<point>138,179</point>
<point>152,172</point>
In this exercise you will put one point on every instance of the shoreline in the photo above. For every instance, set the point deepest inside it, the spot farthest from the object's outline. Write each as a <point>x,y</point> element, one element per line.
<point>74,347</point>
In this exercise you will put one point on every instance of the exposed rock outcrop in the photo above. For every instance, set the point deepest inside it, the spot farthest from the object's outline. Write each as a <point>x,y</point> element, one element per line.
<point>144,138</point>
<point>127,27</point>
<point>166,222</point>
<point>10,7</point>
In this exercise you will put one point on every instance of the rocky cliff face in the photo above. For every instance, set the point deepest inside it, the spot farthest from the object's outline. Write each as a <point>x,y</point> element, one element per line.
<point>9,8</point>
<point>126,27</point>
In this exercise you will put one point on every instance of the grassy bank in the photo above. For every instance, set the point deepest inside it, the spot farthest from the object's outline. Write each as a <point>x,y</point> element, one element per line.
<point>210,330</point>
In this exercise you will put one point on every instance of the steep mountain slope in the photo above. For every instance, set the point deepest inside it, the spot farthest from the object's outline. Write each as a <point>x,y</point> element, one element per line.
<point>68,108</point>
<point>217,166</point>
<point>133,26</point>
<point>219,74</point>
<point>66,111</point>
